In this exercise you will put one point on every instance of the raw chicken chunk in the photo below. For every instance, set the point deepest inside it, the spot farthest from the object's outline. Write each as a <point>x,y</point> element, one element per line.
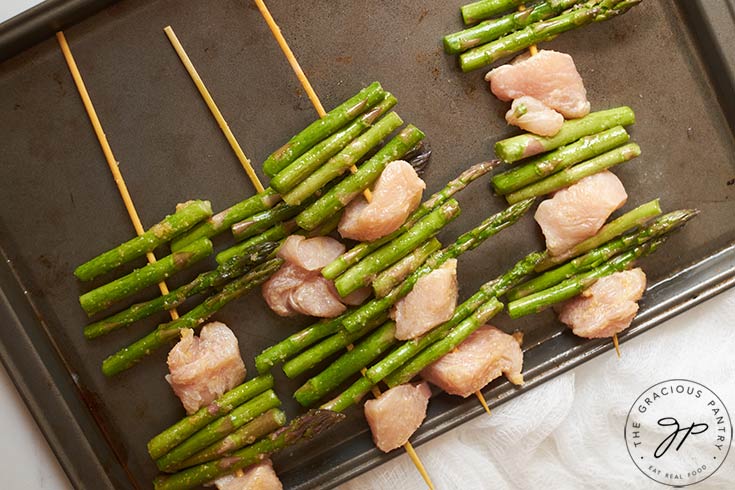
<point>397,192</point>
<point>481,358</point>
<point>356,297</point>
<point>579,211</point>
<point>396,414</point>
<point>204,367</point>
<point>315,297</point>
<point>277,289</point>
<point>257,477</point>
<point>298,287</point>
<point>550,77</point>
<point>532,115</point>
<point>607,307</point>
<point>311,254</point>
<point>430,303</point>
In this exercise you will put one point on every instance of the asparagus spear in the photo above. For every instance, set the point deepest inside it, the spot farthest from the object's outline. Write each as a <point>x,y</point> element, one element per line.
<point>102,297</point>
<point>525,145</point>
<point>468,241</point>
<point>611,230</point>
<point>306,164</point>
<point>233,268</point>
<point>484,9</point>
<point>323,128</point>
<point>362,273</point>
<point>224,219</point>
<point>279,231</point>
<point>351,396</point>
<point>489,290</point>
<point>261,222</point>
<point>218,429</point>
<point>361,250</point>
<point>566,156</point>
<point>570,175</point>
<point>296,343</point>
<point>346,365</point>
<point>341,194</point>
<point>661,226</point>
<point>534,303</point>
<point>397,273</point>
<point>244,436</point>
<point>131,355</point>
<point>594,11</point>
<point>184,428</point>
<point>349,156</point>
<point>451,340</point>
<point>186,216</point>
<point>492,29</point>
<point>331,345</point>
<point>300,429</point>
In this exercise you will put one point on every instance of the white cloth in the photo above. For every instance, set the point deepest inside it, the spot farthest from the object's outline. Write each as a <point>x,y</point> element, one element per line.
<point>568,432</point>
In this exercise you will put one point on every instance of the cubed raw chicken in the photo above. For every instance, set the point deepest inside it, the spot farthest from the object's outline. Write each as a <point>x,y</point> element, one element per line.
<point>483,356</point>
<point>430,303</point>
<point>311,254</point>
<point>607,307</point>
<point>396,193</point>
<point>202,368</point>
<point>298,287</point>
<point>579,211</point>
<point>277,289</point>
<point>356,297</point>
<point>396,414</point>
<point>550,77</point>
<point>315,297</point>
<point>532,115</point>
<point>256,477</point>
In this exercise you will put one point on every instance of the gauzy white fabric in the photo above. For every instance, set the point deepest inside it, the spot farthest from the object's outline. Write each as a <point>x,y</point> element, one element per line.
<point>568,432</point>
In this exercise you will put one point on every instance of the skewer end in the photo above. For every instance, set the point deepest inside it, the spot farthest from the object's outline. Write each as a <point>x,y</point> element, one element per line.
<point>483,402</point>
<point>419,465</point>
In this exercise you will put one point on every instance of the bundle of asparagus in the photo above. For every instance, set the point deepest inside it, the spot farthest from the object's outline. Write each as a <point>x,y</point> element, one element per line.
<point>607,252</point>
<point>232,269</point>
<point>493,39</point>
<point>232,432</point>
<point>166,332</point>
<point>591,144</point>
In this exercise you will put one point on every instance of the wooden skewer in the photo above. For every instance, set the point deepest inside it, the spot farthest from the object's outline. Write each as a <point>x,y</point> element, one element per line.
<point>300,75</point>
<point>314,98</point>
<point>533,50</point>
<point>107,150</point>
<point>244,161</point>
<point>408,446</point>
<point>483,402</point>
<point>617,345</point>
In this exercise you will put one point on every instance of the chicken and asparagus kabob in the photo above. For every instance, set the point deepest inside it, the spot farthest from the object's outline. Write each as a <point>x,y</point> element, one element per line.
<point>498,37</point>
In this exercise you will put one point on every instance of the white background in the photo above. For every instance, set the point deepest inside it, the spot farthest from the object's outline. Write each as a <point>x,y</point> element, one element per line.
<point>566,434</point>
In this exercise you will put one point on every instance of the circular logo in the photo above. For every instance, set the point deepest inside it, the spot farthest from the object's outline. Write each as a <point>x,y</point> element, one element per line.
<point>678,432</point>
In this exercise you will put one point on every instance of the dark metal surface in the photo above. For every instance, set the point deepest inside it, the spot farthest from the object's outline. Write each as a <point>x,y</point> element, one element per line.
<point>60,205</point>
<point>42,21</point>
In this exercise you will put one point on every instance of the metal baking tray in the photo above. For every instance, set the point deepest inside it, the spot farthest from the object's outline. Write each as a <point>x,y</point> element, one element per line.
<point>59,204</point>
